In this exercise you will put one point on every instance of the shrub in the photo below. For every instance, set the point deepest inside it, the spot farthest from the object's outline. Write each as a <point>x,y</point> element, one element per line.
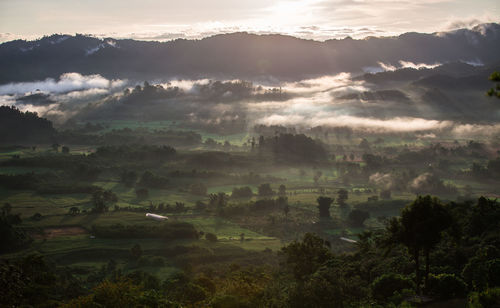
<point>193,293</point>
<point>384,286</point>
<point>446,286</point>
<point>198,189</point>
<point>144,261</point>
<point>211,237</point>
<point>488,298</point>
<point>493,273</point>
<point>158,261</point>
<point>242,192</point>
<point>227,301</point>
<point>167,231</point>
<point>357,217</point>
<point>142,193</point>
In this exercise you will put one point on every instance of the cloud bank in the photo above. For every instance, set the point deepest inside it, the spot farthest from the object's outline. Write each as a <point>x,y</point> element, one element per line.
<point>66,83</point>
<point>242,105</point>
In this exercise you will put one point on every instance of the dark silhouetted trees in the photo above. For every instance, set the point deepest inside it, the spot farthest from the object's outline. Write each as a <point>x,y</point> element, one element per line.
<point>17,126</point>
<point>357,217</point>
<point>242,192</point>
<point>420,228</point>
<point>342,196</point>
<point>305,257</point>
<point>324,204</point>
<point>265,190</point>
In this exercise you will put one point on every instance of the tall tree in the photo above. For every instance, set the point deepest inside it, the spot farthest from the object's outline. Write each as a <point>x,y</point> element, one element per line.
<point>419,229</point>
<point>305,257</point>
<point>342,196</point>
<point>282,190</point>
<point>324,204</point>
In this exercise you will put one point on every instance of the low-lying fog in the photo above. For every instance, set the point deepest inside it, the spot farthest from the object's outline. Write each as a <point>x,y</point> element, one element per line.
<point>340,100</point>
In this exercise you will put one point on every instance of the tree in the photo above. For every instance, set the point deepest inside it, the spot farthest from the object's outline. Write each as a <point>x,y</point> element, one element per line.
<point>364,144</point>
<point>282,190</point>
<point>494,77</point>
<point>281,202</point>
<point>116,294</point>
<point>101,200</point>
<point>265,190</point>
<point>419,229</point>
<point>305,257</point>
<point>384,286</point>
<point>11,237</point>
<point>136,252</point>
<point>385,194</point>
<point>142,193</point>
<point>74,210</point>
<point>128,178</point>
<point>218,201</point>
<point>357,217</point>
<point>198,189</point>
<point>211,237</point>
<point>324,204</point>
<point>242,192</point>
<point>342,196</point>
<point>317,176</point>
<point>6,208</point>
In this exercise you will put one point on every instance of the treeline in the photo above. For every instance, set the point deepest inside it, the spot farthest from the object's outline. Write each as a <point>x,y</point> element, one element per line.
<point>46,183</point>
<point>21,127</point>
<point>136,152</point>
<point>292,148</point>
<point>122,136</point>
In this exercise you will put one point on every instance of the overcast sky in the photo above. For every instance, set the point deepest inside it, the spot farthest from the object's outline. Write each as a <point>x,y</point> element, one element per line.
<point>167,19</point>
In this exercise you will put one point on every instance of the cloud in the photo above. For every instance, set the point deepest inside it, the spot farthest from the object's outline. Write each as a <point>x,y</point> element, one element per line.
<point>387,67</point>
<point>87,94</point>
<point>304,104</point>
<point>397,124</point>
<point>470,130</point>
<point>59,99</point>
<point>421,181</point>
<point>408,64</point>
<point>402,64</point>
<point>67,82</point>
<point>383,180</point>
<point>455,23</point>
<point>474,62</point>
<point>186,85</point>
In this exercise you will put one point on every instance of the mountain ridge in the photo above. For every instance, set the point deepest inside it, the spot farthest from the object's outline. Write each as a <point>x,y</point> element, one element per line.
<point>238,55</point>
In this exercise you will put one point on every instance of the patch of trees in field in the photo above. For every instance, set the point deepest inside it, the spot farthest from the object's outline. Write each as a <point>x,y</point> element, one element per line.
<point>289,148</point>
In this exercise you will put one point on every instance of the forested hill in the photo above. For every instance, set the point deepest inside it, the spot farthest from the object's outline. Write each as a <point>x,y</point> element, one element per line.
<point>239,55</point>
<point>17,127</point>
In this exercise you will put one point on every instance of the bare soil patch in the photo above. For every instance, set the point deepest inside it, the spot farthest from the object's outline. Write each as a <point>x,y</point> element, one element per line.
<point>49,233</point>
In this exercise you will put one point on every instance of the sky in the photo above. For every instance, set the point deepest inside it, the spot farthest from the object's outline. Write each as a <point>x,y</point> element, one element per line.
<point>167,19</point>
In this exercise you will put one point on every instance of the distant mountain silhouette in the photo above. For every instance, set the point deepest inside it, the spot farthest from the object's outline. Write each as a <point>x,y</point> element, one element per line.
<point>239,55</point>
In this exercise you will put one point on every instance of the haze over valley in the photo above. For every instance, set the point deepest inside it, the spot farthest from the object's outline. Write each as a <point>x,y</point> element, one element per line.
<point>294,154</point>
